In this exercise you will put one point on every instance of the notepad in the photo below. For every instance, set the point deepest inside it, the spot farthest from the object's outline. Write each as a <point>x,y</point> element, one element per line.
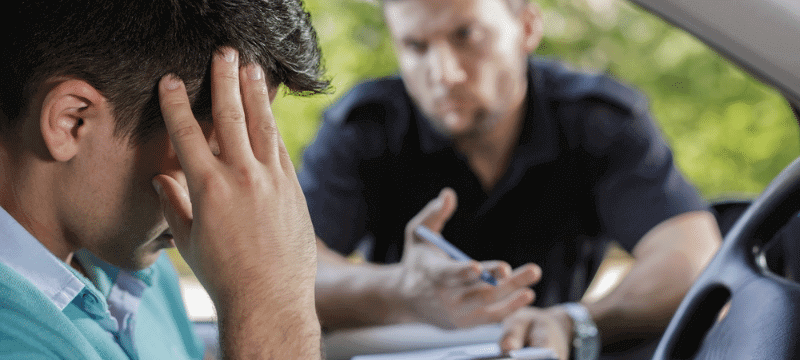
<point>488,351</point>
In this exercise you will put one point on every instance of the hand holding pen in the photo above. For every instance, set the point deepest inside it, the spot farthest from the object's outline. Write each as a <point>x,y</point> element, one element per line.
<point>444,292</point>
<point>450,249</point>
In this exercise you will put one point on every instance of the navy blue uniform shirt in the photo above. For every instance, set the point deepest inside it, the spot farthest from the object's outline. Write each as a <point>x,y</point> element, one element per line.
<point>590,164</point>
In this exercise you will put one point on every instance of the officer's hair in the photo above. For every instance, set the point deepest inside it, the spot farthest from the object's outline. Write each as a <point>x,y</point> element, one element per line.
<point>123,48</point>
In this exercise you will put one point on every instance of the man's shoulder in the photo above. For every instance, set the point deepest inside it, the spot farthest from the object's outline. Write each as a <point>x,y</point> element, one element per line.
<point>559,82</point>
<point>33,327</point>
<point>18,294</point>
<point>371,100</point>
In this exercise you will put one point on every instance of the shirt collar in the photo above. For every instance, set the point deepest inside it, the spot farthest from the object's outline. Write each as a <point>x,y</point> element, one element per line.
<point>538,142</point>
<point>59,282</point>
<point>104,275</point>
<point>20,251</point>
<point>430,140</point>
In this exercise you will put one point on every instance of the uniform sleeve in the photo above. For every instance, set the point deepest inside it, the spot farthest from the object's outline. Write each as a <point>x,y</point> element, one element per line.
<point>638,185</point>
<point>333,186</point>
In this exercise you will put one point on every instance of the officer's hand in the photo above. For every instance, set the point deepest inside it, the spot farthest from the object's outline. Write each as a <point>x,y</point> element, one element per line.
<point>243,226</point>
<point>548,328</point>
<point>449,293</point>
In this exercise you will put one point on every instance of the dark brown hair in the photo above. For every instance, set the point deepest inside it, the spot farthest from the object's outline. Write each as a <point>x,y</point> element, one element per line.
<point>514,5</point>
<point>123,48</point>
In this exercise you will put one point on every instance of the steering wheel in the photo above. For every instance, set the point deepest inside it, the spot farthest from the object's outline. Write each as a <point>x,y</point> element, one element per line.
<point>763,318</point>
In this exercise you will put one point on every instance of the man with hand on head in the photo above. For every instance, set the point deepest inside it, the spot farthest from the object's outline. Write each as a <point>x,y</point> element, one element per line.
<point>133,126</point>
<point>545,161</point>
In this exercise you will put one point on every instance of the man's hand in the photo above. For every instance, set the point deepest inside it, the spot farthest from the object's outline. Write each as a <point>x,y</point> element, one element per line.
<point>449,293</point>
<point>549,328</point>
<point>243,227</point>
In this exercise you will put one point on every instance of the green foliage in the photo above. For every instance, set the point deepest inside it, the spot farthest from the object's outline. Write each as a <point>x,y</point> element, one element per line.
<point>355,46</point>
<point>730,134</point>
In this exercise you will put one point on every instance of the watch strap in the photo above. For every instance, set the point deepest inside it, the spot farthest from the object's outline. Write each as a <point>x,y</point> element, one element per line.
<point>586,337</point>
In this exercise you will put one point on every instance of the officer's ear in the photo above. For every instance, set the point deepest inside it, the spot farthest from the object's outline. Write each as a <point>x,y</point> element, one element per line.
<point>532,26</point>
<point>72,111</point>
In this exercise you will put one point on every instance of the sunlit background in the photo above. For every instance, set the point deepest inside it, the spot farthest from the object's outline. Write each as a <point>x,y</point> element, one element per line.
<point>730,134</point>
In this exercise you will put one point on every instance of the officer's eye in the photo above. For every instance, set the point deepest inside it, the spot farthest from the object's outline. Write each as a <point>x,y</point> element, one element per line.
<point>463,33</point>
<point>416,46</point>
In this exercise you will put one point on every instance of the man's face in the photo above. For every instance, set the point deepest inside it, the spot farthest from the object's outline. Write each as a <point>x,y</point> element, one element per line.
<point>116,213</point>
<point>463,61</point>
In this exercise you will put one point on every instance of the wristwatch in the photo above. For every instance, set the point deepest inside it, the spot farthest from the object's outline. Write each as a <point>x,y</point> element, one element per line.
<point>586,339</point>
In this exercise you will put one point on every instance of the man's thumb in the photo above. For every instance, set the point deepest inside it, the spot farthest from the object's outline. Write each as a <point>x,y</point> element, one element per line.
<point>176,206</point>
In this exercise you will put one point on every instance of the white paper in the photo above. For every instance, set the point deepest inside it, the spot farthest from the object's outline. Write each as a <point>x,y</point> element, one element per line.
<point>467,352</point>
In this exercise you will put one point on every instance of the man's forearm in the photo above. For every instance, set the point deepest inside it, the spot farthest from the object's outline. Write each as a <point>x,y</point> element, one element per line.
<point>353,295</point>
<point>269,326</point>
<point>668,260</point>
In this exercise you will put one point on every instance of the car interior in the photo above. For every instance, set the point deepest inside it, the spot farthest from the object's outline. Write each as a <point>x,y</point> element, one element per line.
<point>746,304</point>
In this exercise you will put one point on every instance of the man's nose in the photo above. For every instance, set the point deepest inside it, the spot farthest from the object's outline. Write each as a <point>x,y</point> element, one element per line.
<point>445,67</point>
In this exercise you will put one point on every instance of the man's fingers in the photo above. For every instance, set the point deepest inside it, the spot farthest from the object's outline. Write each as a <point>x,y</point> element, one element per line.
<point>185,133</point>
<point>227,111</point>
<point>262,128</point>
<point>176,206</point>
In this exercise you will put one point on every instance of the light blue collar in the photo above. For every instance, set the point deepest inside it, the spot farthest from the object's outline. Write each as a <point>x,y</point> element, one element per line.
<point>20,251</point>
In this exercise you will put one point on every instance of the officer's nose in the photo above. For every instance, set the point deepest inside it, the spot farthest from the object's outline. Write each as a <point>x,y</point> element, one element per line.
<point>445,66</point>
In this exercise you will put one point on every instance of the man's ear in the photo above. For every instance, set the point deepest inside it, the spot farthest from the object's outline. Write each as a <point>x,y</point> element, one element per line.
<point>532,27</point>
<point>66,108</point>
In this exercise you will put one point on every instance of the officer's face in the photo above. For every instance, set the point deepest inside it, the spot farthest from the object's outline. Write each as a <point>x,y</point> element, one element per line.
<point>463,61</point>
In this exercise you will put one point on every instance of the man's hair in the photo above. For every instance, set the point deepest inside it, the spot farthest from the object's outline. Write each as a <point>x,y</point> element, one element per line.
<point>123,48</point>
<point>514,5</point>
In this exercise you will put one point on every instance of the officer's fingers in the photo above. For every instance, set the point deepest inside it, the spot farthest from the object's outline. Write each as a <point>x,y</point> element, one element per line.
<point>436,220</point>
<point>538,336</point>
<point>451,273</point>
<point>433,215</point>
<point>501,309</point>
<point>499,269</point>
<point>521,279</point>
<point>515,333</point>
<point>524,276</point>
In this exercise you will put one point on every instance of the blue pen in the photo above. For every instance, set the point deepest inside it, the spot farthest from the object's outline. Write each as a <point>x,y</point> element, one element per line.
<point>451,250</point>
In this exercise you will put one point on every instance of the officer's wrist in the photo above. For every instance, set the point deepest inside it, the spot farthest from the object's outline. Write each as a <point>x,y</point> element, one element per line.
<point>585,334</point>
